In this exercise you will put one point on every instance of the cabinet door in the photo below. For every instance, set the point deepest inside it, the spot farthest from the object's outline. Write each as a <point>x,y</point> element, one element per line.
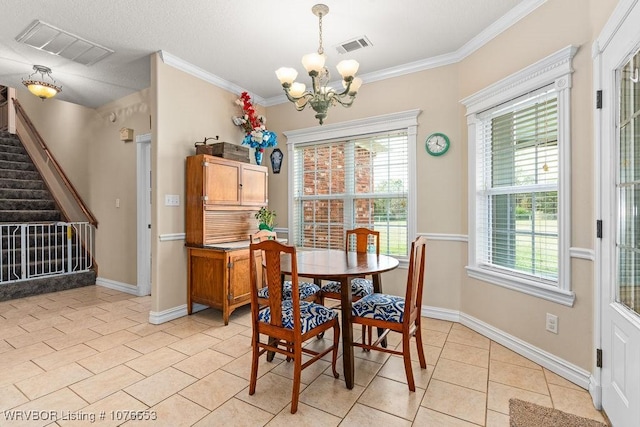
<point>222,183</point>
<point>254,185</point>
<point>206,276</point>
<point>239,277</point>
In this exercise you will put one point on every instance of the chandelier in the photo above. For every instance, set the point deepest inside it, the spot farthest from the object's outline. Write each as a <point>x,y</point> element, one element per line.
<point>45,87</point>
<point>321,96</point>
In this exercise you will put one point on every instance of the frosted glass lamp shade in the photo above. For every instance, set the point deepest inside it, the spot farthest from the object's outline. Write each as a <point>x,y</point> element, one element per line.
<point>286,75</point>
<point>313,62</point>
<point>348,68</point>
<point>297,89</point>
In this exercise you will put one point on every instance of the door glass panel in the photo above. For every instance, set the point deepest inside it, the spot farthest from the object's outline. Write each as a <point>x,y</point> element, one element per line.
<point>628,242</point>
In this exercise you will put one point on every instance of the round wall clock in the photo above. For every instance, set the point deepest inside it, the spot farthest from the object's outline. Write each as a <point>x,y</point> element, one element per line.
<point>437,144</point>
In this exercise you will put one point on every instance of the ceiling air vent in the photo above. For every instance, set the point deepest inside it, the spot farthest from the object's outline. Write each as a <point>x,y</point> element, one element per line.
<point>50,39</point>
<point>355,44</point>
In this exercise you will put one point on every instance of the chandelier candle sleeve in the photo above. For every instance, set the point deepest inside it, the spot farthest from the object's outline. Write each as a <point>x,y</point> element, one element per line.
<point>320,96</point>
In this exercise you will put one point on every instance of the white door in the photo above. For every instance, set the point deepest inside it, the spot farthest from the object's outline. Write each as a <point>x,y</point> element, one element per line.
<point>619,260</point>
<point>143,153</point>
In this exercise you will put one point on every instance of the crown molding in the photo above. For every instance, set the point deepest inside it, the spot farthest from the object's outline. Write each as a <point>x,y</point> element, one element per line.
<point>510,18</point>
<point>198,72</point>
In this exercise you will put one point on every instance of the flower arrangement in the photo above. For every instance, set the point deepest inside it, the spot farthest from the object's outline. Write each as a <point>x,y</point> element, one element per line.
<point>256,134</point>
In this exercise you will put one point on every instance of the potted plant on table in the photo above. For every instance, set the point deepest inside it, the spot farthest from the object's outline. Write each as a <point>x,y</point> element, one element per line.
<point>266,218</point>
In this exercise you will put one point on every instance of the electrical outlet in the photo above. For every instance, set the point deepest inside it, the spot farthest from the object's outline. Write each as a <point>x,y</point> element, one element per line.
<point>552,323</point>
<point>171,200</point>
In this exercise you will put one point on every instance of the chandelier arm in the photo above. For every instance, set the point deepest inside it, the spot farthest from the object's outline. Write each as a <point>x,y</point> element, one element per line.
<point>347,103</point>
<point>306,96</point>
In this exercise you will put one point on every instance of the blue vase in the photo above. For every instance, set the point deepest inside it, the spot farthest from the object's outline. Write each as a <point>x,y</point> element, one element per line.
<point>258,155</point>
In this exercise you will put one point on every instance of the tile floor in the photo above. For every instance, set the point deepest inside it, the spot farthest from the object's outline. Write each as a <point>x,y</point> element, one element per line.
<point>90,352</point>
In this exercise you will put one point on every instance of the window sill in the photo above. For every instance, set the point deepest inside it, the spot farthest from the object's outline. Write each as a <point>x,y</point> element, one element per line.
<point>525,286</point>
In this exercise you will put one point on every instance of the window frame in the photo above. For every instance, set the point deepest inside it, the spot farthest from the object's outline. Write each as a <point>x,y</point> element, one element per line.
<point>405,121</point>
<point>556,70</point>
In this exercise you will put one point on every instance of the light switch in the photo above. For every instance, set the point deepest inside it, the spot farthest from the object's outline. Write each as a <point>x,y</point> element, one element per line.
<point>172,200</point>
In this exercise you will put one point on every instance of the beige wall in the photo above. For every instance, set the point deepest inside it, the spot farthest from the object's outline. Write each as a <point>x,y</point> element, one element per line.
<point>113,176</point>
<point>187,109</point>
<point>442,182</point>
<point>101,168</point>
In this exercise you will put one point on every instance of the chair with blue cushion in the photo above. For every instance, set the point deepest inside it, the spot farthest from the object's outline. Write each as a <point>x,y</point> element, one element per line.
<point>287,322</point>
<point>308,291</point>
<point>360,240</point>
<point>394,313</point>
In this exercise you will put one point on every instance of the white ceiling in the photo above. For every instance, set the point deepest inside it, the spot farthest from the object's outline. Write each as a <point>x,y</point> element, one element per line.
<point>242,42</point>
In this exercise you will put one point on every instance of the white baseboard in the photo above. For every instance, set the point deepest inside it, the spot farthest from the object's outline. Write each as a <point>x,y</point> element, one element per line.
<point>118,286</point>
<point>555,364</point>
<point>440,313</point>
<point>595,390</point>
<point>158,317</point>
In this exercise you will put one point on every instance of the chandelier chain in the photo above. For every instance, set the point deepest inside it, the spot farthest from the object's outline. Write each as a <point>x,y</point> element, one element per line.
<point>320,48</point>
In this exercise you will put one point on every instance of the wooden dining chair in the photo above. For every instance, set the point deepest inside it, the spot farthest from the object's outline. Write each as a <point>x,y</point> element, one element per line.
<point>308,291</point>
<point>394,313</point>
<point>287,323</point>
<point>360,240</point>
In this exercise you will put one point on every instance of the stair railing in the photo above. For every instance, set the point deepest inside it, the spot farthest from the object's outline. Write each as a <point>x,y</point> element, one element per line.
<point>38,250</point>
<point>70,202</point>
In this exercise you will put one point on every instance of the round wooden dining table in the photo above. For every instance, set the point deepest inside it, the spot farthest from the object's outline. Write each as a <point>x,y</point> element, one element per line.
<point>341,266</point>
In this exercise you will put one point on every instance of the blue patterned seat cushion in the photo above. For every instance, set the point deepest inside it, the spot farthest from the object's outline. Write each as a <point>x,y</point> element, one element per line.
<point>381,307</point>
<point>311,314</point>
<point>359,287</point>
<point>306,289</point>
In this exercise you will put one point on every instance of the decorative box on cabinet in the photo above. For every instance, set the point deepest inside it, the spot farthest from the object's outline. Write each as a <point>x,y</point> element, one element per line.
<point>222,199</point>
<point>219,277</point>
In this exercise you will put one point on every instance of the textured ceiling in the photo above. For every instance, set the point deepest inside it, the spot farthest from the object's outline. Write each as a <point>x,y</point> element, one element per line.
<point>243,42</point>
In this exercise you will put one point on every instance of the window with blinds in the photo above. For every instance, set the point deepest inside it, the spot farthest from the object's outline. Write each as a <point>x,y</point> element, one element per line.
<point>348,183</point>
<point>517,187</point>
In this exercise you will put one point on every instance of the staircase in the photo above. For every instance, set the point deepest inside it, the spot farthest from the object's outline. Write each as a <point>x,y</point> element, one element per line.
<point>24,197</point>
<point>37,256</point>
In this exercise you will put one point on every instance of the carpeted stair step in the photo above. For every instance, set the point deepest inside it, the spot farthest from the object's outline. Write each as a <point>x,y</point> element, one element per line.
<point>15,157</point>
<point>17,166</point>
<point>29,216</point>
<point>13,256</point>
<point>27,204</point>
<point>22,193</point>
<point>45,285</point>
<point>35,268</point>
<point>10,140</point>
<point>4,148</point>
<point>10,237</point>
<point>23,184</point>
<point>19,174</point>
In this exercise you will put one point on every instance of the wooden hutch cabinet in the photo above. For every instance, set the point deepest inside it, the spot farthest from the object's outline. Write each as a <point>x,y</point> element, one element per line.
<point>222,198</point>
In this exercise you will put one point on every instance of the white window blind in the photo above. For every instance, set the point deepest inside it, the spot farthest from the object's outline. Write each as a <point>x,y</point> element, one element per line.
<point>348,183</point>
<point>517,187</point>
